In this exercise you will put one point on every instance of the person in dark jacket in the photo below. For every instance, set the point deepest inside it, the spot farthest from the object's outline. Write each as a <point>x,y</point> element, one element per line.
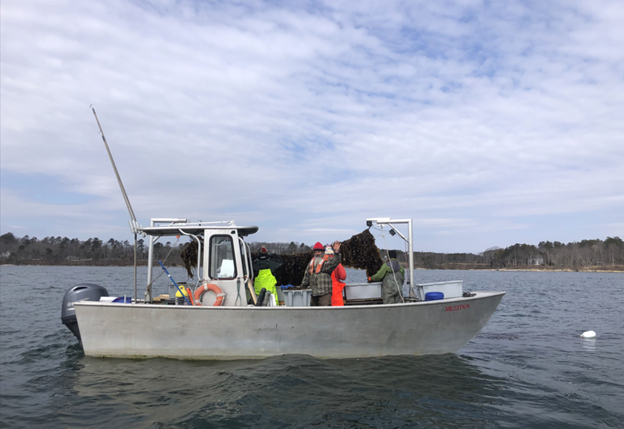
<point>392,276</point>
<point>264,268</point>
<point>318,274</point>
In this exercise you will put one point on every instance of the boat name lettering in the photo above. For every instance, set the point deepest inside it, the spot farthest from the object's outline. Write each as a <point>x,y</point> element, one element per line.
<point>458,307</point>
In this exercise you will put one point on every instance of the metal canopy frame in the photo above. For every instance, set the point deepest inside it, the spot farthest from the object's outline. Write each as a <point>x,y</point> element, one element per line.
<point>176,226</point>
<point>164,227</point>
<point>409,239</point>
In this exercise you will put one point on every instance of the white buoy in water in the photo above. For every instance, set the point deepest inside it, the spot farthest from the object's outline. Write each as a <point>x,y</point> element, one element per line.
<point>588,334</point>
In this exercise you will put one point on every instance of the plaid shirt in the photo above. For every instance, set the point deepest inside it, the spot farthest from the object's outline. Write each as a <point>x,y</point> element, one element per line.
<point>321,283</point>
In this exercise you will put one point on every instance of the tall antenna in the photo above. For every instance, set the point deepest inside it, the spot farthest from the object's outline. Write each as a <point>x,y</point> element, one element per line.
<point>134,225</point>
<point>133,221</point>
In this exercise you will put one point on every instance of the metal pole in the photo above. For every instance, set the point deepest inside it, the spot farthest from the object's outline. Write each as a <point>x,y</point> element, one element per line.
<point>150,264</point>
<point>133,222</point>
<point>410,238</point>
<point>121,186</point>
<point>411,255</point>
<point>136,297</point>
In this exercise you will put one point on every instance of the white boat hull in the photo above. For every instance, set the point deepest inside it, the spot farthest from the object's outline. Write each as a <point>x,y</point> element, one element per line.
<point>184,332</point>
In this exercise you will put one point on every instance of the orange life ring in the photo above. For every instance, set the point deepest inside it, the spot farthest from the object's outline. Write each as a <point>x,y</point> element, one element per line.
<point>205,288</point>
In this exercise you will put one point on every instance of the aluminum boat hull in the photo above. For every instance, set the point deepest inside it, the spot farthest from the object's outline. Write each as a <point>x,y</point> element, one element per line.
<point>220,333</point>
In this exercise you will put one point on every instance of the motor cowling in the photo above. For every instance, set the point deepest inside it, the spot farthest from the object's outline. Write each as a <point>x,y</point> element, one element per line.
<point>79,292</point>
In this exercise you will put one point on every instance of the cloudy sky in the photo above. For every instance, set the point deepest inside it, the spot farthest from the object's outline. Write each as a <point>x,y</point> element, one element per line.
<point>488,123</point>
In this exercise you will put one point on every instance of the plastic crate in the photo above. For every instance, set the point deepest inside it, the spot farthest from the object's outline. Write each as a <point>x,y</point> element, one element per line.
<point>297,298</point>
<point>452,289</point>
<point>363,290</point>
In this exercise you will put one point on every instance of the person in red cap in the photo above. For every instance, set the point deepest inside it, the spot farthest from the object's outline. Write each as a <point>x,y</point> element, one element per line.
<point>318,274</point>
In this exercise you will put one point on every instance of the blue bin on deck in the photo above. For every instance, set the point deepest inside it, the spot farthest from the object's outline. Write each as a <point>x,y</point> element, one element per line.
<point>128,300</point>
<point>434,296</point>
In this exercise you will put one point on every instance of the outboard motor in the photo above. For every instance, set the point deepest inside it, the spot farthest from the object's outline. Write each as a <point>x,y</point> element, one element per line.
<point>80,292</point>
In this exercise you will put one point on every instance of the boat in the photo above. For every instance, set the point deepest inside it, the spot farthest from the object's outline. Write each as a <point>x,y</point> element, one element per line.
<point>215,320</point>
<point>140,328</point>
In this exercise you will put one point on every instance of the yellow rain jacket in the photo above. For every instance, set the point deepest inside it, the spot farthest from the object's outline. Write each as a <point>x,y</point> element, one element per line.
<point>265,280</point>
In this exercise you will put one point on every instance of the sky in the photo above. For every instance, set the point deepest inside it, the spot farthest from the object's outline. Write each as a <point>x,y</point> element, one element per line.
<point>487,123</point>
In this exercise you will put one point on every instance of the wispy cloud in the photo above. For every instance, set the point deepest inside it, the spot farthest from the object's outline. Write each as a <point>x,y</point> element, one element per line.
<point>307,119</point>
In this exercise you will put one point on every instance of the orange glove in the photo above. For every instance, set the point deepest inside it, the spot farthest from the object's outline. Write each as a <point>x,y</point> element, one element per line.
<point>369,279</point>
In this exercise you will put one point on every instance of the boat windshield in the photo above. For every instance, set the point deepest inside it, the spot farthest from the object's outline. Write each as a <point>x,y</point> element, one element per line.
<point>222,264</point>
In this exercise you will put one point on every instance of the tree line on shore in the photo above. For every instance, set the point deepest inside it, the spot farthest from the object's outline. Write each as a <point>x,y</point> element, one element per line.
<point>595,253</point>
<point>586,254</point>
<point>65,251</point>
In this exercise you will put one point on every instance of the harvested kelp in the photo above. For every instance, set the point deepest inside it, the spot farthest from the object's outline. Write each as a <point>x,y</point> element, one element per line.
<point>189,257</point>
<point>361,252</point>
<point>291,272</point>
<point>358,252</point>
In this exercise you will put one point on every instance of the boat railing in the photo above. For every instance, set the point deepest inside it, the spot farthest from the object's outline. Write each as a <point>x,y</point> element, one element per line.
<point>181,223</point>
<point>246,258</point>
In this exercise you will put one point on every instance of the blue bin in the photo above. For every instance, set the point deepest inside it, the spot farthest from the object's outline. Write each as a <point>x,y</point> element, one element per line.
<point>128,300</point>
<point>434,296</point>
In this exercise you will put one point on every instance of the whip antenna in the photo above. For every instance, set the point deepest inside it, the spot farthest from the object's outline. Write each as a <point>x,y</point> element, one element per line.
<point>134,225</point>
<point>133,221</point>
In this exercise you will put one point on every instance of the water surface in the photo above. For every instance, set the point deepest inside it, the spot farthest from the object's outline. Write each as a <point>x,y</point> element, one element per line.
<point>527,368</point>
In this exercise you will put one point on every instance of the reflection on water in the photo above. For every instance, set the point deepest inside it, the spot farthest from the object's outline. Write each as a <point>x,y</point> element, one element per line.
<point>589,344</point>
<point>287,390</point>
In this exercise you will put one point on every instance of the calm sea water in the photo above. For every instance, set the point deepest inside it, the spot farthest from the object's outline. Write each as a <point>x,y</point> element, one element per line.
<point>527,368</point>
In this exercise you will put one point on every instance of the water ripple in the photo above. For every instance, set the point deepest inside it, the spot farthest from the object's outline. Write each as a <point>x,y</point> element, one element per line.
<point>527,368</point>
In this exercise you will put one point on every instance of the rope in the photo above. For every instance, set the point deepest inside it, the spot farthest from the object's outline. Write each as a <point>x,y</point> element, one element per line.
<point>238,297</point>
<point>393,272</point>
<point>165,260</point>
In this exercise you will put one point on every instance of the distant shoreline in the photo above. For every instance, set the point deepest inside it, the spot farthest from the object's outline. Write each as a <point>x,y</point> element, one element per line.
<point>617,269</point>
<point>554,270</point>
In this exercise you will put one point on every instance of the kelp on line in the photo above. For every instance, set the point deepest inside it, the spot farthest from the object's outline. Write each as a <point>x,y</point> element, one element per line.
<point>358,252</point>
<point>189,256</point>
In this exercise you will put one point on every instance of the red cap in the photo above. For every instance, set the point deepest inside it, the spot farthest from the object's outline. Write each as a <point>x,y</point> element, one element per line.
<point>319,246</point>
<point>263,249</point>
